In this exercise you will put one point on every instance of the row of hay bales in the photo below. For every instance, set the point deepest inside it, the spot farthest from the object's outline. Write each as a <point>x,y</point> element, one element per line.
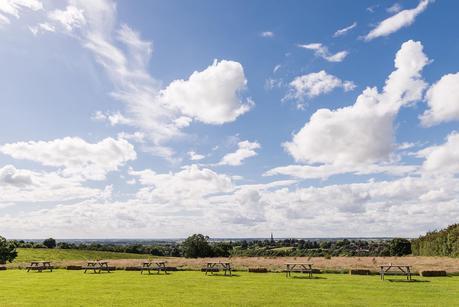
<point>430,273</point>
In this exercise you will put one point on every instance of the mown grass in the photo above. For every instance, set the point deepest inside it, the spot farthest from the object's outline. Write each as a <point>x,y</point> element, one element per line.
<point>121,288</point>
<point>31,254</point>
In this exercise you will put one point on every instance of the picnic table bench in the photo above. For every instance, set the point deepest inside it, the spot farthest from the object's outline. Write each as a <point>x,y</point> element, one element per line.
<point>97,266</point>
<point>404,268</point>
<point>303,267</point>
<point>148,266</point>
<point>213,266</point>
<point>40,266</point>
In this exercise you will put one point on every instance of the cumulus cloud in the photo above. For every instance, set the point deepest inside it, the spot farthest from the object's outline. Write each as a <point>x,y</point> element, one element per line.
<point>186,186</point>
<point>400,20</point>
<point>246,149</point>
<point>315,84</point>
<point>368,209</point>
<point>343,31</point>
<point>442,159</point>
<point>443,101</point>
<point>323,52</point>
<point>77,157</point>
<point>9,175</point>
<point>363,133</point>
<point>22,185</point>
<point>210,96</point>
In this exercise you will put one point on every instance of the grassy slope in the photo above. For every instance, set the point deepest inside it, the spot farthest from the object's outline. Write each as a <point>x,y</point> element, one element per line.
<point>29,254</point>
<point>73,288</point>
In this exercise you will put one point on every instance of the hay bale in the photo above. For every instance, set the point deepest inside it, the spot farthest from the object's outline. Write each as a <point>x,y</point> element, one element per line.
<point>433,273</point>
<point>258,270</point>
<point>359,272</point>
<point>2,268</point>
<point>74,267</point>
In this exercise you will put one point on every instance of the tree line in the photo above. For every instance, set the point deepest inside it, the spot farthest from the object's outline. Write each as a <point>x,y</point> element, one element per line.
<point>198,245</point>
<point>438,243</point>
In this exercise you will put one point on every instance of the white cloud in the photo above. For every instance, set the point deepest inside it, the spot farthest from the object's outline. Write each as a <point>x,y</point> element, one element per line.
<point>363,133</point>
<point>344,31</point>
<point>443,101</point>
<point>396,22</point>
<point>187,186</point>
<point>9,175</point>
<point>114,119</point>
<point>315,84</point>
<point>325,171</point>
<point>42,27</point>
<point>246,149</point>
<point>70,18</point>
<point>21,185</point>
<point>395,8</point>
<point>77,157</point>
<point>267,34</point>
<point>195,156</point>
<point>322,51</point>
<point>442,159</point>
<point>14,8</point>
<point>406,207</point>
<point>210,96</point>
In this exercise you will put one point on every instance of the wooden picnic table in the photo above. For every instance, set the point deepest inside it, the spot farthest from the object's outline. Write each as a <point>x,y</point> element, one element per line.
<point>40,266</point>
<point>97,266</point>
<point>148,266</point>
<point>404,268</point>
<point>226,266</point>
<point>303,267</point>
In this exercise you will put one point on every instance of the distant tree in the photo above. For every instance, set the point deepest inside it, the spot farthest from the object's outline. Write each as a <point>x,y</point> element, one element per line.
<point>196,246</point>
<point>50,243</point>
<point>399,247</point>
<point>7,251</point>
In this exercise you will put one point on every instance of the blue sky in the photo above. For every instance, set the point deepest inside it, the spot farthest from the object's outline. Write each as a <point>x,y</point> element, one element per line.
<point>229,118</point>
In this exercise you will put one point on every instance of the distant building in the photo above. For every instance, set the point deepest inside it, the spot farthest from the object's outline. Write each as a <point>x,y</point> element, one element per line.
<point>272,238</point>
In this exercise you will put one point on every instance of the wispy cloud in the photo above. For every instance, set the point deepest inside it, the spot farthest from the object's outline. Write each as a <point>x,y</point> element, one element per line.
<point>323,52</point>
<point>396,22</point>
<point>344,31</point>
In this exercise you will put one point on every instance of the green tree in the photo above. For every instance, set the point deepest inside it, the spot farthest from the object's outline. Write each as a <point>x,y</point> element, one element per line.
<point>400,247</point>
<point>50,243</point>
<point>196,246</point>
<point>7,251</point>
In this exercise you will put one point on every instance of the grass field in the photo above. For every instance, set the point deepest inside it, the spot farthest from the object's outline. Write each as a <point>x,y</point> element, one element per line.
<point>121,288</point>
<point>29,254</point>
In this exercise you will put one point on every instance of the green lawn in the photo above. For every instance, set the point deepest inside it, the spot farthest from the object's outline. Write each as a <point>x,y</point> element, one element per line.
<point>121,288</point>
<point>30,254</point>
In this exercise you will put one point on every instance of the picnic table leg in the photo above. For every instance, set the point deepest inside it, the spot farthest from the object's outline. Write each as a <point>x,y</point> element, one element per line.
<point>382,273</point>
<point>408,276</point>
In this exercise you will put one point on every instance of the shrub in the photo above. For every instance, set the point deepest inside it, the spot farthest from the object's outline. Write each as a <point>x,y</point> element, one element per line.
<point>50,243</point>
<point>400,247</point>
<point>7,251</point>
<point>196,246</point>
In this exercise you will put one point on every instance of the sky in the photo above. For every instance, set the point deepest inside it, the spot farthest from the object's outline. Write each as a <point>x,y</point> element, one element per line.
<point>160,119</point>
